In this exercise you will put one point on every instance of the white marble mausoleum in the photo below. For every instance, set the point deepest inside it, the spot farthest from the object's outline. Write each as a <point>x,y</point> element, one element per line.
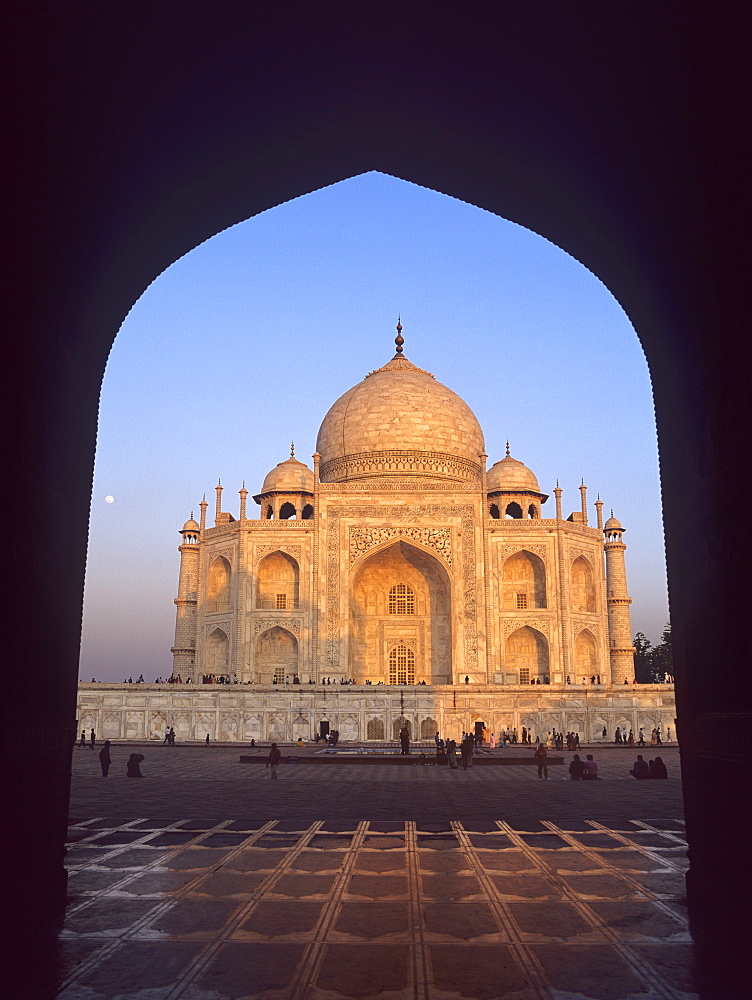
<point>435,586</point>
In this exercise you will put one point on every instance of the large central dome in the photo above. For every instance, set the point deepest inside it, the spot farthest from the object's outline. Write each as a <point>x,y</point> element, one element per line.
<point>400,421</point>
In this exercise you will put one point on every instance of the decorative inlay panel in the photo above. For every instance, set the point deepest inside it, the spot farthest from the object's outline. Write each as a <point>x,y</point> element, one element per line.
<point>226,553</point>
<point>578,625</point>
<point>404,485</point>
<point>225,626</point>
<point>541,624</point>
<point>439,539</point>
<point>407,463</point>
<point>291,550</point>
<point>575,553</point>
<point>410,641</point>
<point>417,641</point>
<point>509,550</point>
<point>262,624</point>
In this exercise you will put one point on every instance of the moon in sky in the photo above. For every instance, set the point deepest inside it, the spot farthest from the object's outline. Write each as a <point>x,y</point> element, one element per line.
<point>109,499</point>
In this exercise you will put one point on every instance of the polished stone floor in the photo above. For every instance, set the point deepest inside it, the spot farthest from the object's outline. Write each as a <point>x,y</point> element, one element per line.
<point>208,881</point>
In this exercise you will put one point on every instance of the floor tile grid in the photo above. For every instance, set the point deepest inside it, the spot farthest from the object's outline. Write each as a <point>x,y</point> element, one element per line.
<point>525,957</point>
<point>651,854</point>
<point>162,858</point>
<point>211,949</point>
<point>654,853</point>
<point>141,841</point>
<point>73,845</point>
<point>656,985</point>
<point>114,944</point>
<point>313,953</point>
<point>418,950</point>
<point>671,834</point>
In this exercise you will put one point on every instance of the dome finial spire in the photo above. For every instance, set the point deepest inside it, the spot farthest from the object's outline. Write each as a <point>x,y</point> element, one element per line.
<point>507,447</point>
<point>292,449</point>
<point>399,340</point>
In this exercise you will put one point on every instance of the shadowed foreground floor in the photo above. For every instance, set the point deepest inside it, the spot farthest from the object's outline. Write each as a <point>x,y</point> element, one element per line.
<point>206,880</point>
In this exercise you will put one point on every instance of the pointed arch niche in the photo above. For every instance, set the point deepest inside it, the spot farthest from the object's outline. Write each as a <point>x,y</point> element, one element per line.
<point>526,654</point>
<point>218,585</point>
<point>277,582</point>
<point>586,656</point>
<point>217,654</point>
<point>523,582</point>
<point>379,622</point>
<point>275,656</point>
<point>583,585</point>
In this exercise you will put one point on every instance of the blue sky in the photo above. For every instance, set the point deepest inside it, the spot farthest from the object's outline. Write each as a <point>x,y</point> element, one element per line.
<point>244,343</point>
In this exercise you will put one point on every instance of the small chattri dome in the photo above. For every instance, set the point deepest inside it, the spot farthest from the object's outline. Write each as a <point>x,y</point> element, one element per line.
<point>190,525</point>
<point>613,525</point>
<point>511,475</point>
<point>290,476</point>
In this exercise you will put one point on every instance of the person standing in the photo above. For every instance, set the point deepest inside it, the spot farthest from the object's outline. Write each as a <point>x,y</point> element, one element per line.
<point>104,758</point>
<point>466,751</point>
<point>207,739</point>
<point>541,757</point>
<point>492,741</point>
<point>275,756</point>
<point>82,741</point>
<point>92,739</point>
<point>405,740</point>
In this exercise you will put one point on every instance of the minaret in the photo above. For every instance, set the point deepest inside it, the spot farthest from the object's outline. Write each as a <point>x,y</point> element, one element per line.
<point>243,497</point>
<point>203,505</point>
<point>557,494</point>
<point>563,590</point>
<point>583,495</point>
<point>218,509</point>
<point>184,650</point>
<point>599,512</point>
<point>621,650</point>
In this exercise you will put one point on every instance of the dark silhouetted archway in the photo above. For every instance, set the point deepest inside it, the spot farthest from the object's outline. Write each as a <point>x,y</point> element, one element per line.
<point>614,136</point>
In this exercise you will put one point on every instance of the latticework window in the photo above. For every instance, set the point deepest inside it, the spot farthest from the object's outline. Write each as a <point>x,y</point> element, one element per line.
<point>521,601</point>
<point>281,602</point>
<point>401,600</point>
<point>401,665</point>
<point>525,675</point>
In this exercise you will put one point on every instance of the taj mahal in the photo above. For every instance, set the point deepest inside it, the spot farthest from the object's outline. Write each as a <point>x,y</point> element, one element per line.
<point>398,581</point>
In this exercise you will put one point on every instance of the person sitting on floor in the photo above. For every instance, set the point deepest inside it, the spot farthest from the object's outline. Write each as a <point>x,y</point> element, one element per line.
<point>640,769</point>
<point>657,769</point>
<point>591,769</point>
<point>576,768</point>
